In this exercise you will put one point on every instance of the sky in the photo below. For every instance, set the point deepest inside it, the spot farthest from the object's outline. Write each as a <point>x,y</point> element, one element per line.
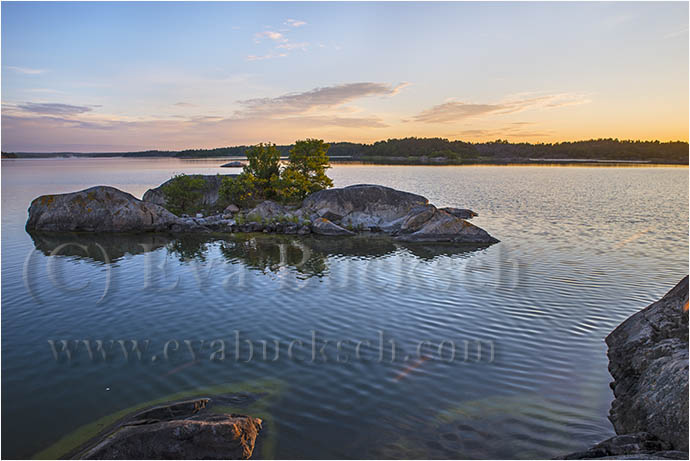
<point>108,77</point>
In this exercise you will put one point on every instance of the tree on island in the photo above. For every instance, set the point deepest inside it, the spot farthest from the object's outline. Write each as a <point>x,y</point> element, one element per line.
<point>263,162</point>
<point>183,194</point>
<point>262,178</point>
<point>306,171</point>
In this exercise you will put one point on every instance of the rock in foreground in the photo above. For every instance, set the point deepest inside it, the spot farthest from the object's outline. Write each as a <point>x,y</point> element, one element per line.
<point>181,430</point>
<point>209,437</point>
<point>648,359</point>
<point>98,209</point>
<point>640,445</point>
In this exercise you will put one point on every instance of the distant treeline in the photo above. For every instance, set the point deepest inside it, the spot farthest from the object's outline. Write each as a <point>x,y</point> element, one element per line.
<point>235,151</point>
<point>442,151</point>
<point>438,150</point>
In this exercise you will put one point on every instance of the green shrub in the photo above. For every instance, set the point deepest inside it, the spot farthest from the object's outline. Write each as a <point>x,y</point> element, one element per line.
<point>242,190</point>
<point>183,194</point>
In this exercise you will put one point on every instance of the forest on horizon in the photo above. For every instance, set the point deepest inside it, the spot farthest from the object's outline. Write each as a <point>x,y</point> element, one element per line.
<point>414,150</point>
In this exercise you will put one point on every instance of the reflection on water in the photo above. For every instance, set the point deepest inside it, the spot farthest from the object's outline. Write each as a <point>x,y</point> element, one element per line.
<point>307,255</point>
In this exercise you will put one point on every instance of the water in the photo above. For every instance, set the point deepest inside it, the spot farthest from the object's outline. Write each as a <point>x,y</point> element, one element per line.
<point>581,249</point>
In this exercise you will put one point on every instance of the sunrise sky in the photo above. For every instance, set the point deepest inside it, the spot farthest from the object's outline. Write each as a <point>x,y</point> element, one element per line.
<point>131,76</point>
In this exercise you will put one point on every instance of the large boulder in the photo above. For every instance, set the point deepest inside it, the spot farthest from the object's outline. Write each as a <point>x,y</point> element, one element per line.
<point>99,209</point>
<point>377,208</point>
<point>648,359</point>
<point>362,205</point>
<point>209,196</point>
<point>441,226</point>
<point>182,430</point>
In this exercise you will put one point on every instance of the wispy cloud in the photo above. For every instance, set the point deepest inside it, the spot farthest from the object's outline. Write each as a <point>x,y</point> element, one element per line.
<point>25,70</point>
<point>282,43</point>
<point>512,130</point>
<point>453,111</point>
<point>184,104</point>
<point>295,23</point>
<point>317,99</point>
<point>496,133</point>
<point>294,46</point>
<point>677,33</point>
<point>320,112</point>
<point>44,108</point>
<point>25,132</point>
<point>272,35</point>
<point>253,57</point>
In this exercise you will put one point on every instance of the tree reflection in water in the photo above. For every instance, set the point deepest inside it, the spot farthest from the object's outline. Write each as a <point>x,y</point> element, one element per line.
<point>308,255</point>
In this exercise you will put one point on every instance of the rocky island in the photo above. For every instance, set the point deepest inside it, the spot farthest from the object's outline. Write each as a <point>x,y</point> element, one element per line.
<point>296,198</point>
<point>334,212</point>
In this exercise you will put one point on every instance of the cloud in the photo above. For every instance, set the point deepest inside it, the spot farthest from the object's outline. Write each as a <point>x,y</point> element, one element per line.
<point>25,70</point>
<point>294,46</point>
<point>512,130</point>
<point>295,23</point>
<point>676,33</point>
<point>253,57</point>
<point>184,104</point>
<point>45,133</point>
<point>282,42</point>
<point>44,108</point>
<point>319,98</point>
<point>335,121</point>
<point>321,112</point>
<point>505,132</point>
<point>454,111</point>
<point>275,36</point>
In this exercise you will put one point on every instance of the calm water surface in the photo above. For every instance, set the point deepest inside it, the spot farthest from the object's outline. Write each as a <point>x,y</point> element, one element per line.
<point>581,249</point>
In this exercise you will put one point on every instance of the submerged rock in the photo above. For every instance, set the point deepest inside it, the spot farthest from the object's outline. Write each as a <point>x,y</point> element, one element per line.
<point>99,209</point>
<point>648,359</point>
<point>180,430</point>
<point>205,437</point>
